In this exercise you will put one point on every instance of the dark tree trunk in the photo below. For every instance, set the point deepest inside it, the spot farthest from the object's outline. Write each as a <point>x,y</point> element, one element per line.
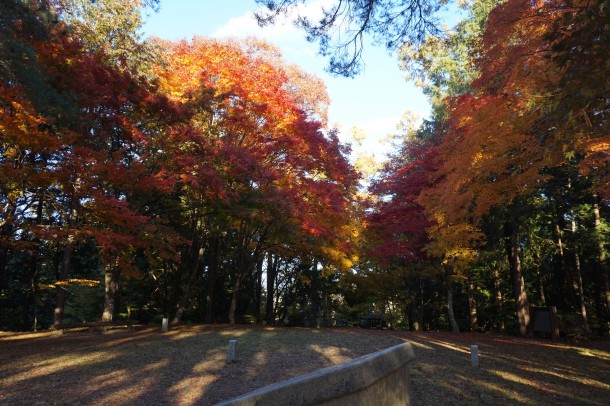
<point>472,305</point>
<point>6,232</point>
<point>235,293</point>
<point>601,265</point>
<point>567,268</point>
<point>314,294</point>
<point>66,262</point>
<point>29,297</point>
<point>449,278</point>
<point>578,278</point>
<point>187,289</point>
<point>541,289</point>
<point>245,264</point>
<point>111,289</point>
<point>519,292</point>
<point>272,267</point>
<point>3,261</point>
<point>210,298</point>
<point>414,324</point>
<point>499,299</point>
<point>242,270</point>
<point>259,289</point>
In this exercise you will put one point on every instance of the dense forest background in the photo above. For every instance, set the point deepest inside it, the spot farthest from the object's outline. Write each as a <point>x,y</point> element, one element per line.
<point>199,180</point>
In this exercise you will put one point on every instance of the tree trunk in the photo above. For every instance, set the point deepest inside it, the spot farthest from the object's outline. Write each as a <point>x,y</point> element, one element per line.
<point>233,307</point>
<point>541,289</point>
<point>601,263</point>
<point>314,293</point>
<point>6,231</point>
<point>272,267</point>
<point>514,260</point>
<point>3,261</point>
<point>578,278</point>
<point>567,267</point>
<point>454,326</point>
<point>246,261</point>
<point>111,289</point>
<point>210,298</point>
<point>499,299</point>
<point>414,324</point>
<point>472,305</point>
<point>187,290</point>
<point>66,262</point>
<point>29,296</point>
<point>581,293</point>
<point>259,289</point>
<point>243,267</point>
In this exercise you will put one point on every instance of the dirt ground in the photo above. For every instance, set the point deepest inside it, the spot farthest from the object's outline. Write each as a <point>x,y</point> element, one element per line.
<point>187,365</point>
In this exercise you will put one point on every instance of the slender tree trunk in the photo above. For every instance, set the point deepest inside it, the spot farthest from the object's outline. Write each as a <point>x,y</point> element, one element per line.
<point>259,289</point>
<point>210,298</point>
<point>234,295</point>
<point>246,261</point>
<point>414,324</point>
<point>519,292</point>
<point>422,307</point>
<point>578,278</point>
<point>242,269</point>
<point>315,294</point>
<point>499,299</point>
<point>567,267</point>
<point>602,267</point>
<point>449,278</point>
<point>3,261</point>
<point>272,267</point>
<point>541,289</point>
<point>472,305</point>
<point>29,297</point>
<point>6,232</point>
<point>581,293</point>
<point>111,288</point>
<point>187,289</point>
<point>66,262</point>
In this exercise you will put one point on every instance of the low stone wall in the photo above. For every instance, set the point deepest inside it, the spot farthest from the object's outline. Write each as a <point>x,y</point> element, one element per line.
<point>381,378</point>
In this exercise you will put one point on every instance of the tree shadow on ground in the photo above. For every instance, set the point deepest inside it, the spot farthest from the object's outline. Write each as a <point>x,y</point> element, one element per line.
<point>512,371</point>
<point>188,366</point>
<point>184,366</point>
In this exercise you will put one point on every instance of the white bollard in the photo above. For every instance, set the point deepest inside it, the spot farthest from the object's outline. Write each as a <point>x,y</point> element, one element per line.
<point>474,355</point>
<point>232,352</point>
<point>165,325</point>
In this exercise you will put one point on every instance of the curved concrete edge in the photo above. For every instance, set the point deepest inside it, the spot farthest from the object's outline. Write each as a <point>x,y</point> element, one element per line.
<point>382,377</point>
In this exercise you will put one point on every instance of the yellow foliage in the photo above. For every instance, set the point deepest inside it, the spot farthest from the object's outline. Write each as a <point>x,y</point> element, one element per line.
<point>90,283</point>
<point>455,244</point>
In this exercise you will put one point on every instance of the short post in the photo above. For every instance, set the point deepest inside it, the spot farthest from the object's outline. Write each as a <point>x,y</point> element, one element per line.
<point>165,325</point>
<point>231,353</point>
<point>474,355</point>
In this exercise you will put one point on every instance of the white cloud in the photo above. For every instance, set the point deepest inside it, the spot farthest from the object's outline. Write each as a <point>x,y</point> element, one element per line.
<point>283,33</point>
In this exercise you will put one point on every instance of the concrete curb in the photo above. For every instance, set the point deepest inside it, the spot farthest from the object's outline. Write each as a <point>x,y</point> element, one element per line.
<point>381,378</point>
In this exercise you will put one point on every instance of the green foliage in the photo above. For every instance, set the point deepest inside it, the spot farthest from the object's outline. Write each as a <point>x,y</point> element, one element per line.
<point>443,65</point>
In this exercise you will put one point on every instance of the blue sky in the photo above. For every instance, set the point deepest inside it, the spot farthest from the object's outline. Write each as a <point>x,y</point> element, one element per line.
<point>373,101</point>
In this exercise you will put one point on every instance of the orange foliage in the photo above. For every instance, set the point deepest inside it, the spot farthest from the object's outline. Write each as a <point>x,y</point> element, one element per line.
<point>258,133</point>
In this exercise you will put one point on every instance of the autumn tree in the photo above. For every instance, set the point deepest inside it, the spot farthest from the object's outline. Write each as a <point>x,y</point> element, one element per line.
<point>498,146</point>
<point>266,159</point>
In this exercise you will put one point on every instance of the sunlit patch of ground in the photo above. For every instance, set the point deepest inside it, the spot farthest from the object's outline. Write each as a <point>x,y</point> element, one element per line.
<point>188,366</point>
